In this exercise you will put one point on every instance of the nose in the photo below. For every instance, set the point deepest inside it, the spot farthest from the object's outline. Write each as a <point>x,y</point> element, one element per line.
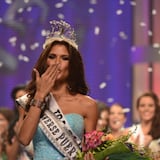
<point>58,60</point>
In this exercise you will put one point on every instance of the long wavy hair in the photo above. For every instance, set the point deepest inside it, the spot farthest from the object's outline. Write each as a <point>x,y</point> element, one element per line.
<point>76,78</point>
<point>155,127</point>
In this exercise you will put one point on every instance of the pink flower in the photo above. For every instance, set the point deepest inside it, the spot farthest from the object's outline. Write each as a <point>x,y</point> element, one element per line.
<point>92,140</point>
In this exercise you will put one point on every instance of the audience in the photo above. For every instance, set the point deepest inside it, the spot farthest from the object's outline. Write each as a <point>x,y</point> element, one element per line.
<point>9,146</point>
<point>102,122</point>
<point>17,92</point>
<point>117,120</point>
<point>147,132</point>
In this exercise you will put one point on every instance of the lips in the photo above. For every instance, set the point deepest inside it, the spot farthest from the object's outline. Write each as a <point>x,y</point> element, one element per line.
<point>116,122</point>
<point>147,113</point>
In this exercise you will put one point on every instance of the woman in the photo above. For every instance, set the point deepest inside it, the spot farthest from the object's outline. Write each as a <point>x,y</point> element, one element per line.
<point>18,91</point>
<point>102,123</point>
<point>9,146</point>
<point>147,132</point>
<point>6,116</point>
<point>117,119</point>
<point>57,111</point>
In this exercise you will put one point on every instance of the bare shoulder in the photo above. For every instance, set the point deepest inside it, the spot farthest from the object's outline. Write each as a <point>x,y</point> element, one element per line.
<point>88,104</point>
<point>89,110</point>
<point>87,101</point>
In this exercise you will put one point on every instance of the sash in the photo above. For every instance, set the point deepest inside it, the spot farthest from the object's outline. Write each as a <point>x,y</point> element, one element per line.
<point>56,128</point>
<point>58,131</point>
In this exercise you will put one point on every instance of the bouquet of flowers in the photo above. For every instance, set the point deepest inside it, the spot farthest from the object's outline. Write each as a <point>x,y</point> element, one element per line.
<point>103,145</point>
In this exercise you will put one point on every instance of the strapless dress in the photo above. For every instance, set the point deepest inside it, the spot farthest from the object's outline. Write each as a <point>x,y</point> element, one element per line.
<point>44,149</point>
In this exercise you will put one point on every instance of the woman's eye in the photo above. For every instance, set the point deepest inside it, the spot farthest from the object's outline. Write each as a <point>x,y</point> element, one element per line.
<point>66,58</point>
<point>142,105</point>
<point>51,56</point>
<point>151,105</point>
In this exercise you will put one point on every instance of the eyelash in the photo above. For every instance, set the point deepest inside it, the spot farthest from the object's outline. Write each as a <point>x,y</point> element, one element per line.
<point>51,56</point>
<point>65,58</point>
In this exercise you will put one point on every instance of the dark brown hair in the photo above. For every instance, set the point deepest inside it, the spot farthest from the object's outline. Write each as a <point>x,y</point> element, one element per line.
<point>7,113</point>
<point>155,127</point>
<point>9,116</point>
<point>16,89</point>
<point>76,78</point>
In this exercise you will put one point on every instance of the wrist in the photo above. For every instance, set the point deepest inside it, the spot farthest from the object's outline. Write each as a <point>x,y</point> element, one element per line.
<point>39,96</point>
<point>38,103</point>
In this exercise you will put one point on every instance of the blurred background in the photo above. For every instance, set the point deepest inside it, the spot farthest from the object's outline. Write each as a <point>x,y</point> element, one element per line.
<point>119,41</point>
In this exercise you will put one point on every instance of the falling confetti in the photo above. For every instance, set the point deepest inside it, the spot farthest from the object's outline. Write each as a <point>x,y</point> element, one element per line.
<point>102,85</point>
<point>105,37</point>
<point>119,12</point>
<point>96,30</point>
<point>23,58</point>
<point>1,64</point>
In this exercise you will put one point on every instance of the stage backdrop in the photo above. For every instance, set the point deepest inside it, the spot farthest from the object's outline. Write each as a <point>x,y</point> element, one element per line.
<point>104,31</point>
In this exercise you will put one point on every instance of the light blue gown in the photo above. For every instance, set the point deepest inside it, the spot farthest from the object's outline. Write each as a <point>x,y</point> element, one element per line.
<point>44,149</point>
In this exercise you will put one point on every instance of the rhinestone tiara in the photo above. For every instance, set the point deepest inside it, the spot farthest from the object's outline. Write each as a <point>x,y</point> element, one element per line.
<point>61,31</point>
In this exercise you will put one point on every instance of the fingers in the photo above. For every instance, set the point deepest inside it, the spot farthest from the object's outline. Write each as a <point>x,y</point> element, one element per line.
<point>137,139</point>
<point>147,140</point>
<point>52,71</point>
<point>89,156</point>
<point>37,73</point>
<point>45,82</point>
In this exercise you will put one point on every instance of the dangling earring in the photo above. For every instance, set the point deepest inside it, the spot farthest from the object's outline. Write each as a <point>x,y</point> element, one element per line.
<point>69,88</point>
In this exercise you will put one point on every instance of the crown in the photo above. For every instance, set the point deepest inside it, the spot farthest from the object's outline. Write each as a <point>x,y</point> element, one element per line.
<point>61,31</point>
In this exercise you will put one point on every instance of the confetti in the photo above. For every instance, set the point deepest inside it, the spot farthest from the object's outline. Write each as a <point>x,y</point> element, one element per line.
<point>102,85</point>
<point>96,30</point>
<point>58,5</point>
<point>23,58</point>
<point>119,12</point>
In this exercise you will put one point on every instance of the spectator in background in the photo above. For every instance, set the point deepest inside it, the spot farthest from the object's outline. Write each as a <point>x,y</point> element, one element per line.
<point>117,119</point>
<point>102,122</point>
<point>9,145</point>
<point>18,91</point>
<point>147,132</point>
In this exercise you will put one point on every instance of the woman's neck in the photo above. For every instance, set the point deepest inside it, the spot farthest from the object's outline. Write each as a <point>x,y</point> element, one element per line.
<point>60,91</point>
<point>146,126</point>
<point>117,133</point>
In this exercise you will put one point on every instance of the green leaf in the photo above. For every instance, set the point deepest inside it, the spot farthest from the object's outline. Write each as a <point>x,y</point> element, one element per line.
<point>127,156</point>
<point>117,147</point>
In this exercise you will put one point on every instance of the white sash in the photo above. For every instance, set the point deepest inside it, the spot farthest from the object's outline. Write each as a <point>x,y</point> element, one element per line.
<point>57,129</point>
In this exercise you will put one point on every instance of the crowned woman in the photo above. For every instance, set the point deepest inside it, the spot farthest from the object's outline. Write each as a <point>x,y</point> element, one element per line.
<point>56,111</point>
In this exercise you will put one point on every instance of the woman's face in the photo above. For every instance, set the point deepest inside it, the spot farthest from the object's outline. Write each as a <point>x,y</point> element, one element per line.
<point>146,108</point>
<point>102,122</point>
<point>20,93</point>
<point>59,55</point>
<point>117,118</point>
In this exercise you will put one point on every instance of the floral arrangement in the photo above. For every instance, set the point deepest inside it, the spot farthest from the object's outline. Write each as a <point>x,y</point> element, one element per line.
<point>103,145</point>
